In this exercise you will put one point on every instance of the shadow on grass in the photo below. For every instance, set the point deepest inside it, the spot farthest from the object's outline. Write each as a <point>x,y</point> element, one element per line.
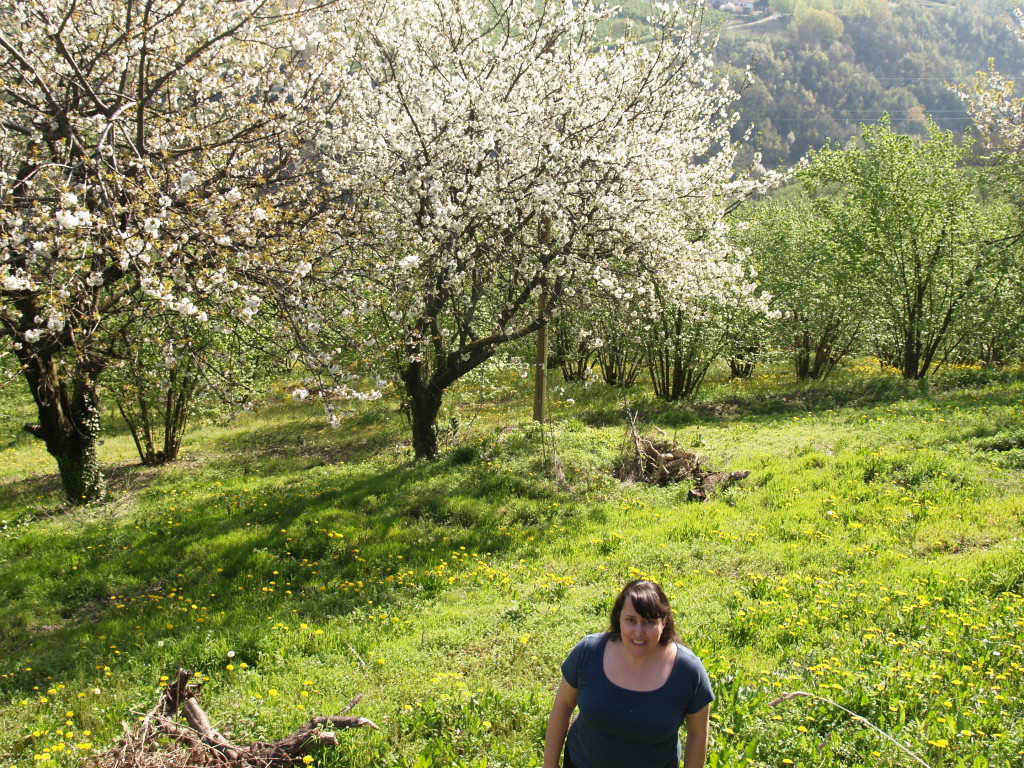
<point>792,397</point>
<point>30,496</point>
<point>266,527</point>
<point>281,519</point>
<point>307,438</point>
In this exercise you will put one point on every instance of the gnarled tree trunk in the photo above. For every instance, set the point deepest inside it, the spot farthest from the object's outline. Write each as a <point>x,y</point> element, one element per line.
<point>69,421</point>
<point>424,399</point>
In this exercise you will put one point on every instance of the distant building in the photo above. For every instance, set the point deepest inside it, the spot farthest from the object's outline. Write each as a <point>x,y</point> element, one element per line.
<point>738,6</point>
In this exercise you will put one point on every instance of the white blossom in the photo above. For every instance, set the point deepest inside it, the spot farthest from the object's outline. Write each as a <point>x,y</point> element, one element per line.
<point>188,180</point>
<point>16,283</point>
<point>67,219</point>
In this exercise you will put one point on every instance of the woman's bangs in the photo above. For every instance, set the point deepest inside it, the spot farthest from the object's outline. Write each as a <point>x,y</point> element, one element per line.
<point>647,604</point>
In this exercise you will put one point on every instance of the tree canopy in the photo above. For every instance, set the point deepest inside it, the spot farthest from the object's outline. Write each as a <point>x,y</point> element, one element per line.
<point>497,152</point>
<point>150,163</point>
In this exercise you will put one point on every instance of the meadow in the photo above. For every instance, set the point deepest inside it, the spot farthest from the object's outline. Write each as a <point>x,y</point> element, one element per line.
<point>872,560</point>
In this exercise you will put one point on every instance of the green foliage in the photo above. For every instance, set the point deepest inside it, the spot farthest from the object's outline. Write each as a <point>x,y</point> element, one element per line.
<point>818,26</point>
<point>872,558</point>
<point>926,249</point>
<point>816,288</point>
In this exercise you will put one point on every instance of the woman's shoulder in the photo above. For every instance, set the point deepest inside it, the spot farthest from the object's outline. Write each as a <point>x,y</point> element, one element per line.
<point>687,659</point>
<point>692,679</point>
<point>589,645</point>
<point>584,656</point>
<point>594,640</point>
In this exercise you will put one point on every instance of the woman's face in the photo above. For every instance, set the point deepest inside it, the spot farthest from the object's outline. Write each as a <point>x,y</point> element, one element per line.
<point>640,636</point>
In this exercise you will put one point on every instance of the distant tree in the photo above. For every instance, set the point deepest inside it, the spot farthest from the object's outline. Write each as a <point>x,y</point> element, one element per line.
<point>815,284</point>
<point>573,347</point>
<point>682,344</point>
<point>685,334</point>
<point>910,213</point>
<point>620,346</point>
<point>819,87</point>
<point>998,111</point>
<point>818,26</point>
<point>998,337</point>
<point>167,370</point>
<point>869,8</point>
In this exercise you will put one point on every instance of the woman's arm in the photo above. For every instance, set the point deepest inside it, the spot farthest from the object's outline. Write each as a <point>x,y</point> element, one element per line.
<point>696,750</point>
<point>558,723</point>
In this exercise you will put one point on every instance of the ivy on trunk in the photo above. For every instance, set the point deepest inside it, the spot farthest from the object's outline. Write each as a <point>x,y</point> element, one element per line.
<point>69,421</point>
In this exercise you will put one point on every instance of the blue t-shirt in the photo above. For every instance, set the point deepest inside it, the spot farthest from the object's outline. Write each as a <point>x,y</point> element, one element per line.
<point>619,728</point>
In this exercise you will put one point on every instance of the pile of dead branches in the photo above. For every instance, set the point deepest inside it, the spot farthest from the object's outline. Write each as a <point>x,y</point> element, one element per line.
<point>160,740</point>
<point>659,462</point>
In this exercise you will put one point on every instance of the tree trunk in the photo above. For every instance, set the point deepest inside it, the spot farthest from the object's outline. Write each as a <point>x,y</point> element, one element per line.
<point>742,361</point>
<point>741,369</point>
<point>424,405</point>
<point>69,422</point>
<point>620,363</point>
<point>80,474</point>
<point>802,359</point>
<point>912,358</point>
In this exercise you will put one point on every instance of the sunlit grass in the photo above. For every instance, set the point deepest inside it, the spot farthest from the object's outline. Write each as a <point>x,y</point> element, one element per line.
<point>873,557</point>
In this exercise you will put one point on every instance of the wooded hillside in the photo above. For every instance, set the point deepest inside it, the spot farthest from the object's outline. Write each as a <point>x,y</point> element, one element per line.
<point>820,69</point>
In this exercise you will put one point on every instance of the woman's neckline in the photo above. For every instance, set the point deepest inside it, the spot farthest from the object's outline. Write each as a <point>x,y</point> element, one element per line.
<point>604,649</point>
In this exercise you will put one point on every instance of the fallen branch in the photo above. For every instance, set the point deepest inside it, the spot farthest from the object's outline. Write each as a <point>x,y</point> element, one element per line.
<point>712,480</point>
<point>160,741</point>
<point>660,462</point>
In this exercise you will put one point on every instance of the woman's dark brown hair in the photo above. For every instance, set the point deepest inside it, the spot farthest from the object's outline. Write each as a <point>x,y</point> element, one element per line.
<point>650,602</point>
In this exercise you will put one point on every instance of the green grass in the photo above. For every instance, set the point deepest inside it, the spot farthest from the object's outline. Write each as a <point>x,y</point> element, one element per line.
<point>873,558</point>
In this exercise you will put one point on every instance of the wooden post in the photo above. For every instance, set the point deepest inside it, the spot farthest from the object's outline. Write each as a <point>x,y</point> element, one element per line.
<point>540,379</point>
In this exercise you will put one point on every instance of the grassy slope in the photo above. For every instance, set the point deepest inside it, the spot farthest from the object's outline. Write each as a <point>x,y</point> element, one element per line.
<point>873,557</point>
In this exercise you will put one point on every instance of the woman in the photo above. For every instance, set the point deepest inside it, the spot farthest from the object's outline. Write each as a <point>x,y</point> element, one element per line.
<point>635,685</point>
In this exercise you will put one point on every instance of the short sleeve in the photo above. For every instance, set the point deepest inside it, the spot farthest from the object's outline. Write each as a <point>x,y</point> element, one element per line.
<point>574,661</point>
<point>702,694</point>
